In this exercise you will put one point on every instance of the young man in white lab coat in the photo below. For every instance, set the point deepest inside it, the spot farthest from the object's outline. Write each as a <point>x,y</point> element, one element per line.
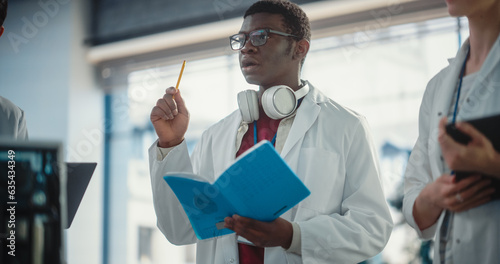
<point>344,220</point>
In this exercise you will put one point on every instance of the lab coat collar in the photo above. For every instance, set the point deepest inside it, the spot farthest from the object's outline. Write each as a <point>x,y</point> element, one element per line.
<point>487,76</point>
<point>444,95</point>
<point>305,117</point>
<point>486,84</point>
<point>307,114</point>
<point>450,81</point>
<point>489,64</point>
<point>489,70</point>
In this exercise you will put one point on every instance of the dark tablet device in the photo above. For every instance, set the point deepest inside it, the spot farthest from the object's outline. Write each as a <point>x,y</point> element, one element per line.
<point>488,126</point>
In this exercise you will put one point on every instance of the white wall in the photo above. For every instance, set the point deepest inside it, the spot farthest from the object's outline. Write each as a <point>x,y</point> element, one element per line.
<point>43,70</point>
<point>34,66</point>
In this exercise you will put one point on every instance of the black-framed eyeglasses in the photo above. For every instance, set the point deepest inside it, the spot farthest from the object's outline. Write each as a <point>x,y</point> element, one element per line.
<point>257,38</point>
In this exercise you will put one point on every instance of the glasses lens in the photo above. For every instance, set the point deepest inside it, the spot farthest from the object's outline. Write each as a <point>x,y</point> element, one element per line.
<point>258,37</point>
<point>237,41</point>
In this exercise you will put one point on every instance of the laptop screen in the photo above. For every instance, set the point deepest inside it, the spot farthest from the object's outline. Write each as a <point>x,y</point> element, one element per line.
<point>32,190</point>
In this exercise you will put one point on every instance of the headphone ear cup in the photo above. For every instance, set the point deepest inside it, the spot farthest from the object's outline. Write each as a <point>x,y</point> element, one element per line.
<point>248,103</point>
<point>279,101</point>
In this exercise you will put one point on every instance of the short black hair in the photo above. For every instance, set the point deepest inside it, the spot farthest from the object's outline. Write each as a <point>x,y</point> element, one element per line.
<point>3,11</point>
<point>294,18</point>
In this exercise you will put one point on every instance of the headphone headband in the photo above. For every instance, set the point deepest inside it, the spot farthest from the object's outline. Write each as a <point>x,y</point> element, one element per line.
<point>301,92</point>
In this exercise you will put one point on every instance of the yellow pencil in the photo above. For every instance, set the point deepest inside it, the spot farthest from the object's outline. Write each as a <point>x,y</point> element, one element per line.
<point>180,75</point>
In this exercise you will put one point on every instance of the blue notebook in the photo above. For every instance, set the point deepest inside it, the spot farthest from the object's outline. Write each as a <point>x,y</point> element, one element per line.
<point>258,185</point>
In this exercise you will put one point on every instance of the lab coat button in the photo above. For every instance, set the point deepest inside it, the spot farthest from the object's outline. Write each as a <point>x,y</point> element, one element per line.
<point>231,260</point>
<point>458,241</point>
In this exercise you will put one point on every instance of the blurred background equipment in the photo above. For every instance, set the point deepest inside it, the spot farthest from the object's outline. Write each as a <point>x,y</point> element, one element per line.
<point>31,193</point>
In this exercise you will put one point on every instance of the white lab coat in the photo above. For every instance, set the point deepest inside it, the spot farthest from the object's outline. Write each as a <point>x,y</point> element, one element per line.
<point>476,232</point>
<point>12,122</point>
<point>344,220</point>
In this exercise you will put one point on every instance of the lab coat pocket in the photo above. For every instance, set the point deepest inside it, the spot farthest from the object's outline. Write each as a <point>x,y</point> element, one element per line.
<point>323,172</point>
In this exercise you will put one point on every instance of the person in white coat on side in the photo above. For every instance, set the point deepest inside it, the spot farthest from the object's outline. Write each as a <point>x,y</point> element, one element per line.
<point>12,119</point>
<point>345,219</point>
<point>461,215</point>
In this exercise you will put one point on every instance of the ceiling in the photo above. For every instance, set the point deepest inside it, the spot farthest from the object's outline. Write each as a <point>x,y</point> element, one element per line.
<point>116,20</point>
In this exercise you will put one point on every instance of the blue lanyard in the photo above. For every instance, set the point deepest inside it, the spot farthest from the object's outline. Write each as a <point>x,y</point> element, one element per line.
<point>255,134</point>
<point>460,86</point>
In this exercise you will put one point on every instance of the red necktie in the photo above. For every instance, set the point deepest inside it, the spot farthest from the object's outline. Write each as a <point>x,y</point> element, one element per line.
<point>266,129</point>
<point>250,254</point>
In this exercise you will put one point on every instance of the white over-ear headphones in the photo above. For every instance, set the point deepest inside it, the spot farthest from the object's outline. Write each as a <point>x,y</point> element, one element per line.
<point>278,102</point>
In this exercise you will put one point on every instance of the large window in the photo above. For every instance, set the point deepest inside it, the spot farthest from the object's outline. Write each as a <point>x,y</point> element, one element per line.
<point>380,74</point>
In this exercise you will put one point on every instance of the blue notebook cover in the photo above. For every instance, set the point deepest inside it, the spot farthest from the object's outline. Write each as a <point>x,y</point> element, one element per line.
<point>259,185</point>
